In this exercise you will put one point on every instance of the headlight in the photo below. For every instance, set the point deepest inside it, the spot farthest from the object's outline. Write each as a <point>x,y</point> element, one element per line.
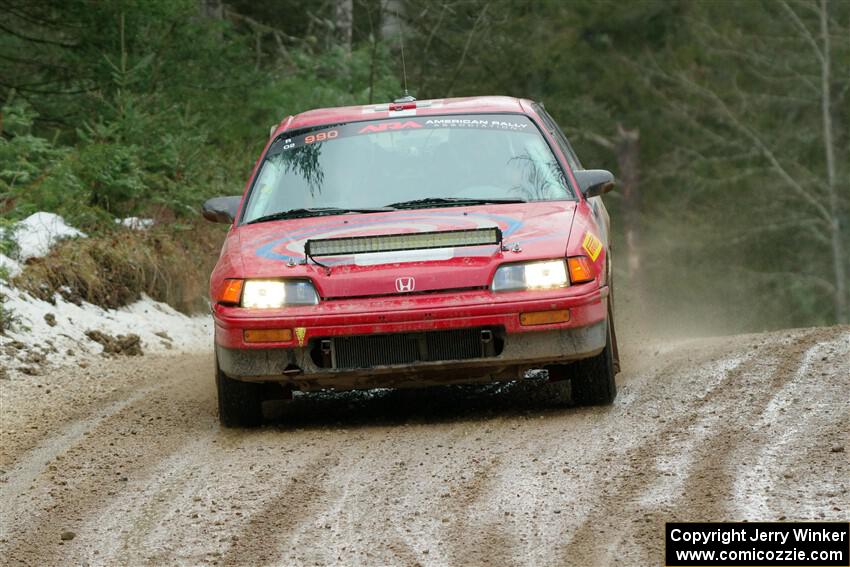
<point>269,294</point>
<point>548,274</point>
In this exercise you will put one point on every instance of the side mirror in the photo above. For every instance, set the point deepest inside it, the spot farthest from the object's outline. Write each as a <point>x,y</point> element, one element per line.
<point>594,182</point>
<point>221,209</point>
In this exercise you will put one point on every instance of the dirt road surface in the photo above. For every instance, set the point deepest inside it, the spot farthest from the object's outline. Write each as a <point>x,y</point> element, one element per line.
<point>126,461</point>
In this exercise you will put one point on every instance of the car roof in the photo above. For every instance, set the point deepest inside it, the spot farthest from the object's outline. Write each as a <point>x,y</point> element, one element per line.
<point>467,105</point>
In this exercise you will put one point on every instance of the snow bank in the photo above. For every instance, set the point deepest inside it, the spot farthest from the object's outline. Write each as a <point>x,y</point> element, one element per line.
<point>11,266</point>
<point>38,232</point>
<point>56,334</point>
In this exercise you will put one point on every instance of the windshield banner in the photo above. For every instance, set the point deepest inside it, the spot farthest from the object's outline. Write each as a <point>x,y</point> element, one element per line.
<point>502,122</point>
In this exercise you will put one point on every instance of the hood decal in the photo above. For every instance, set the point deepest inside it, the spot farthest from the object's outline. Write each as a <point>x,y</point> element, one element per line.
<point>291,247</point>
<point>403,256</point>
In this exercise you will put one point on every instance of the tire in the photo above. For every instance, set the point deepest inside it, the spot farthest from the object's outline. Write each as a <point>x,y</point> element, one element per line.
<point>592,379</point>
<point>240,404</point>
<point>589,381</point>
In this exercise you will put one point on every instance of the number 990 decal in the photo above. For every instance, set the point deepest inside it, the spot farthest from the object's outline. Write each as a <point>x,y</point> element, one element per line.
<point>321,136</point>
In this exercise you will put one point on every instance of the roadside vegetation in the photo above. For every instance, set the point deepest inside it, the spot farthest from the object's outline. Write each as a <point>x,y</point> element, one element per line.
<point>167,263</point>
<point>726,124</point>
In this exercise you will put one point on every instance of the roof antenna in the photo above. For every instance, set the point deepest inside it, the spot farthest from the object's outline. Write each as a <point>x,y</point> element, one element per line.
<point>403,66</point>
<point>406,97</point>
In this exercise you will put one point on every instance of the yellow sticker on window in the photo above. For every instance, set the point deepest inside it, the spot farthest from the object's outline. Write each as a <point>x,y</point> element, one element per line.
<point>300,333</point>
<point>592,245</point>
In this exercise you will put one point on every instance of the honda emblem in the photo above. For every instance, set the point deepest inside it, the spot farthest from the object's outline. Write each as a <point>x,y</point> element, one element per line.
<point>405,285</point>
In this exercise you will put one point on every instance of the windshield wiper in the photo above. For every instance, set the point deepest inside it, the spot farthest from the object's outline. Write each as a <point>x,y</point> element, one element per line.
<point>314,212</point>
<point>449,202</point>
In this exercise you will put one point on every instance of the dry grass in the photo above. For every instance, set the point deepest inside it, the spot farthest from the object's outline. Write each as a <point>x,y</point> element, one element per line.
<point>113,270</point>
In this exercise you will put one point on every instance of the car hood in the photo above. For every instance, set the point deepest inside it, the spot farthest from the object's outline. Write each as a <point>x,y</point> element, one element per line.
<point>276,249</point>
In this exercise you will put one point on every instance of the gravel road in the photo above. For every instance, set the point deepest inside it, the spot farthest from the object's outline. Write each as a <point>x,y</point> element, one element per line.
<point>124,463</point>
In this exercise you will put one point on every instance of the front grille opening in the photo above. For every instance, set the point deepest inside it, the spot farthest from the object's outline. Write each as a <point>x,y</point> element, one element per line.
<point>453,290</point>
<point>369,351</point>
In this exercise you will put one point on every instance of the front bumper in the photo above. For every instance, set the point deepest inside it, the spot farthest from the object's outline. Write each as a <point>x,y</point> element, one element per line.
<point>524,347</point>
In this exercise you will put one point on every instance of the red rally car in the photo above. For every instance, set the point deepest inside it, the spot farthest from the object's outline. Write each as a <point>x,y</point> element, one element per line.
<point>411,244</point>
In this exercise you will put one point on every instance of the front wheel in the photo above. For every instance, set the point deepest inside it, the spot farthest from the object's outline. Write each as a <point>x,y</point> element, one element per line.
<point>240,404</point>
<point>592,379</point>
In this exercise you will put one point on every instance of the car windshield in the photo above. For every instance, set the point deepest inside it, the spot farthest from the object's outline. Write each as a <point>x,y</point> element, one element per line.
<point>425,161</point>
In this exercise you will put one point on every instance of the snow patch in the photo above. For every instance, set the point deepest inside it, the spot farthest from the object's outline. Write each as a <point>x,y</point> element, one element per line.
<point>135,223</point>
<point>55,334</point>
<point>37,233</point>
<point>12,267</point>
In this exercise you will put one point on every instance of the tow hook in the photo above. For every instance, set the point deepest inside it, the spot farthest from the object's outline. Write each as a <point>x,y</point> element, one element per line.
<point>326,350</point>
<point>487,345</point>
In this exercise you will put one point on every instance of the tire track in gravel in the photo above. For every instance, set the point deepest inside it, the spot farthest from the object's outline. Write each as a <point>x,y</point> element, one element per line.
<point>32,464</point>
<point>87,473</point>
<point>293,502</point>
<point>797,439</point>
<point>455,502</point>
<point>593,442</point>
<point>353,477</point>
<point>688,485</point>
<point>658,464</point>
<point>485,541</point>
<point>136,519</point>
<point>711,482</point>
<point>33,408</point>
<point>531,529</point>
<point>371,492</point>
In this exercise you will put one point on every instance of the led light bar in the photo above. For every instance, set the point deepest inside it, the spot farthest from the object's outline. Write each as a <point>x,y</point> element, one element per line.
<point>410,241</point>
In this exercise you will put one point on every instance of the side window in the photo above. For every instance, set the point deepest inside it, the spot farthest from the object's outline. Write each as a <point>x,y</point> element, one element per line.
<point>559,135</point>
<point>560,139</point>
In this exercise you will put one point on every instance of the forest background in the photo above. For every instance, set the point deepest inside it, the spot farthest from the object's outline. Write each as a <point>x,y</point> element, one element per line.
<point>726,123</point>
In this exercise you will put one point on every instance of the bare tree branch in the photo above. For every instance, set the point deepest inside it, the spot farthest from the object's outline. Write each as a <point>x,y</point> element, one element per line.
<point>837,245</point>
<point>462,59</point>
<point>804,31</point>
<point>734,121</point>
<point>36,39</point>
<point>597,139</point>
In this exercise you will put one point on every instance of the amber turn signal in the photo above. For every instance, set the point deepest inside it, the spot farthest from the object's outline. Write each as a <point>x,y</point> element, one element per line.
<point>232,292</point>
<point>581,269</point>
<point>545,317</point>
<point>267,335</point>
